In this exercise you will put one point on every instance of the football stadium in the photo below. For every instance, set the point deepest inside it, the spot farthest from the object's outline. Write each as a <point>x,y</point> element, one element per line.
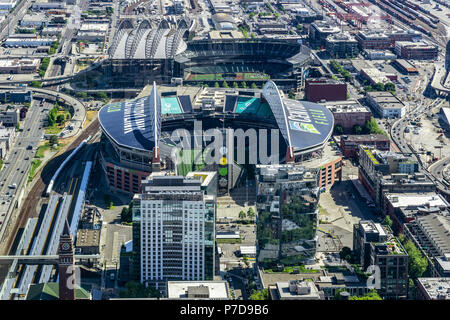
<point>146,51</point>
<point>139,135</point>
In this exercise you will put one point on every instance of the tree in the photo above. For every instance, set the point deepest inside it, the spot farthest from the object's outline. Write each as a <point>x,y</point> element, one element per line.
<point>242,215</point>
<point>389,86</point>
<point>244,84</point>
<point>135,289</point>
<point>291,95</point>
<point>260,295</point>
<point>60,118</point>
<point>254,86</point>
<point>216,85</point>
<point>371,295</point>
<point>379,86</point>
<point>36,84</point>
<point>235,85</point>
<point>53,139</point>
<point>102,95</point>
<point>417,263</point>
<point>338,130</point>
<point>357,129</point>
<point>81,94</point>
<point>387,221</point>
<point>345,254</point>
<point>372,127</point>
<point>250,213</point>
<point>225,84</point>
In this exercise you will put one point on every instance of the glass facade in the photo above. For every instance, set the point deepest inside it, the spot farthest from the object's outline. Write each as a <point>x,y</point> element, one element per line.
<point>287,202</point>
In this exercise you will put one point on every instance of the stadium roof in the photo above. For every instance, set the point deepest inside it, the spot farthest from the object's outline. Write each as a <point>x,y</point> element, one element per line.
<point>135,123</point>
<point>303,124</point>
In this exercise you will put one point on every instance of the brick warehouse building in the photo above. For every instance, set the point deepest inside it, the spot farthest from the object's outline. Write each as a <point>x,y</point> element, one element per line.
<point>325,89</point>
<point>350,143</point>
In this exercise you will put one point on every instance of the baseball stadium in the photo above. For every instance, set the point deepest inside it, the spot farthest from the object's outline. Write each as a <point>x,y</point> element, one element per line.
<point>146,51</point>
<point>138,135</point>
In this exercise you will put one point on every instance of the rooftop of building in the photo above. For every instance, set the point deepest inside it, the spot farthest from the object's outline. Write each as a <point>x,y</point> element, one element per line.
<point>376,75</point>
<point>50,291</point>
<point>205,176</point>
<point>347,106</point>
<point>325,26</point>
<point>225,34</point>
<point>88,238</point>
<point>437,227</point>
<point>444,262</point>
<point>436,288</point>
<point>295,289</point>
<point>387,244</point>
<point>342,37</point>
<point>214,289</point>
<point>373,34</point>
<point>365,137</point>
<point>415,44</point>
<point>405,64</point>
<point>430,199</point>
<point>385,99</point>
<point>322,80</point>
<point>287,171</point>
<point>16,62</point>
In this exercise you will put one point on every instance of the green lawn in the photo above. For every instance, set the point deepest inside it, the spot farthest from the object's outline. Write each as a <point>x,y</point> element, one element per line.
<point>34,165</point>
<point>255,76</point>
<point>301,269</point>
<point>232,241</point>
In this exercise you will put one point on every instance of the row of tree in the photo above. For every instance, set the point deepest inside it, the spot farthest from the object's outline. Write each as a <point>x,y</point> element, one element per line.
<point>250,214</point>
<point>336,66</point>
<point>235,85</point>
<point>381,87</point>
<point>370,127</point>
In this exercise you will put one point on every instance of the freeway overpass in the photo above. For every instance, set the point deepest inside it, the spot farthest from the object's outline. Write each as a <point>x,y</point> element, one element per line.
<point>438,78</point>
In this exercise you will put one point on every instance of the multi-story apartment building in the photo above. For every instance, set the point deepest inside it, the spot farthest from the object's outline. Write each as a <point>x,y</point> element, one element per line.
<point>375,245</point>
<point>342,45</point>
<point>416,50</point>
<point>389,172</point>
<point>174,232</point>
<point>287,199</point>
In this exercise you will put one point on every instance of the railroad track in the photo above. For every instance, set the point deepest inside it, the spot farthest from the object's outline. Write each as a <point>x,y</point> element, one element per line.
<point>37,191</point>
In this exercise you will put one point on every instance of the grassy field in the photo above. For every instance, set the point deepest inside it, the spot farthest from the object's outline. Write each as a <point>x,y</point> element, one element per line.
<point>220,77</point>
<point>301,269</point>
<point>34,165</point>
<point>232,241</point>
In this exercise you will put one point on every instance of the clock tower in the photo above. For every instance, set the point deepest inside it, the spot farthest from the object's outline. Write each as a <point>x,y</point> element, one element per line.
<point>66,265</point>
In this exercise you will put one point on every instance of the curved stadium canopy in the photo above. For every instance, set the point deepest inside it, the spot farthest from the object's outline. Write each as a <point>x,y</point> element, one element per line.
<point>137,123</point>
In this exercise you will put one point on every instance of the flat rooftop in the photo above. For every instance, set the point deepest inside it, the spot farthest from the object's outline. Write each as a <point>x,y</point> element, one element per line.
<point>385,99</point>
<point>416,199</point>
<point>436,288</point>
<point>366,137</point>
<point>178,289</point>
<point>346,106</point>
<point>437,227</point>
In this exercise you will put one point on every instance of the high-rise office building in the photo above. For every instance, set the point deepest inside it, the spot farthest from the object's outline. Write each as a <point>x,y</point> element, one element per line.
<point>174,232</point>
